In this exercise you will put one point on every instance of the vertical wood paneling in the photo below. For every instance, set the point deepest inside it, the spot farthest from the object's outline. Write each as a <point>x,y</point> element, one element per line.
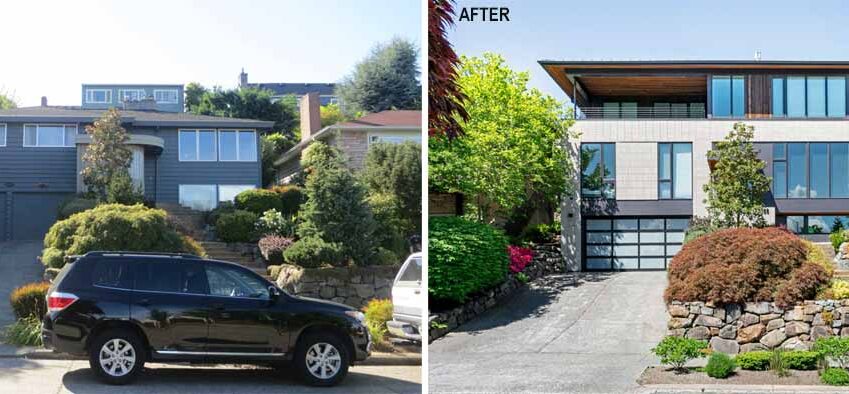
<point>758,92</point>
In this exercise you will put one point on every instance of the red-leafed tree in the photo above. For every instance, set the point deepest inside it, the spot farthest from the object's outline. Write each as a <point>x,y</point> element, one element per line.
<point>445,99</point>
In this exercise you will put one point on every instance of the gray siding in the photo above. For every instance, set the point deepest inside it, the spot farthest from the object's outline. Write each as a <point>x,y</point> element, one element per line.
<point>35,169</point>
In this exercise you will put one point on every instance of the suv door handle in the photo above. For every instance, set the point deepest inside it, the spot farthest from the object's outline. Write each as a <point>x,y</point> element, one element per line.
<point>417,291</point>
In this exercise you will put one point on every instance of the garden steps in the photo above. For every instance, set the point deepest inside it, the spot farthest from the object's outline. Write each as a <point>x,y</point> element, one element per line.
<point>827,248</point>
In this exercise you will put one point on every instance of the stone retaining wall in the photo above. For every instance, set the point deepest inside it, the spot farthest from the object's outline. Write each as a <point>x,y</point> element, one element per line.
<point>547,260</point>
<point>353,286</point>
<point>736,328</point>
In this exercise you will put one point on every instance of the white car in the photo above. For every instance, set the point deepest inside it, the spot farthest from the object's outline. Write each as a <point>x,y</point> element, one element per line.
<point>407,300</point>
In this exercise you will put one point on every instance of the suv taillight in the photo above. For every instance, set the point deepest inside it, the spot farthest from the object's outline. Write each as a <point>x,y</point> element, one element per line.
<point>57,301</point>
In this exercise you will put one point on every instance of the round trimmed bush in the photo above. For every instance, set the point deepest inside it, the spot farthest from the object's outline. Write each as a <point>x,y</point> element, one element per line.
<point>720,365</point>
<point>30,300</point>
<point>464,257</point>
<point>835,377</point>
<point>237,226</point>
<point>291,196</point>
<point>754,361</point>
<point>112,227</point>
<point>313,252</point>
<point>745,264</point>
<point>258,201</point>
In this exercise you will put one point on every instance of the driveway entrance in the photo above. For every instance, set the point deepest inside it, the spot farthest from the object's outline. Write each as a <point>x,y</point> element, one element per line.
<point>18,265</point>
<point>582,332</point>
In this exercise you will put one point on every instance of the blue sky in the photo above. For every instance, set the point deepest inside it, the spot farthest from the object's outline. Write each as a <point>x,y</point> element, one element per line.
<point>631,30</point>
<point>51,47</point>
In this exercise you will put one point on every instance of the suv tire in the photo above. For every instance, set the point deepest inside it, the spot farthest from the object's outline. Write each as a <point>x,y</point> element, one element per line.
<point>117,356</point>
<point>321,359</point>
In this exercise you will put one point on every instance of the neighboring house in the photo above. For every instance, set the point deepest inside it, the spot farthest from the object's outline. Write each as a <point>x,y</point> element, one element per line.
<point>326,91</point>
<point>178,158</point>
<point>352,138</point>
<point>164,98</point>
<point>646,126</point>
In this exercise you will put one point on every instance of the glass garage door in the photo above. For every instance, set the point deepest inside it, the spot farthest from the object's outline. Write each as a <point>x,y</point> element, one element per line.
<point>632,243</point>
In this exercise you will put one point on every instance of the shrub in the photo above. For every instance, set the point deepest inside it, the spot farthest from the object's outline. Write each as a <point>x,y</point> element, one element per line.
<point>818,257</point>
<point>777,363</point>
<point>744,264</point>
<point>273,271</point>
<point>258,201</point>
<point>677,351</point>
<point>111,227</point>
<point>74,205</point>
<point>837,238</point>
<point>698,227</point>
<point>802,360</point>
<point>835,377</point>
<point>312,252</point>
<point>237,226</point>
<point>222,208</point>
<point>273,222</point>
<point>720,365</point>
<point>122,190</point>
<point>191,246</point>
<point>464,257</point>
<point>838,290</point>
<point>291,196</point>
<point>835,349</point>
<point>385,257</point>
<point>390,226</point>
<point>753,361</point>
<point>396,170</point>
<point>272,248</point>
<point>24,332</point>
<point>541,233</point>
<point>519,257</point>
<point>378,312</point>
<point>29,300</point>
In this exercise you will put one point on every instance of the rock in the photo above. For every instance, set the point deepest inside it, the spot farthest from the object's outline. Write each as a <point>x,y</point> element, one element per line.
<point>701,332</point>
<point>719,313</point>
<point>728,332</point>
<point>751,333</point>
<point>714,332</point>
<point>820,332</point>
<point>678,311</point>
<point>678,332</point>
<point>774,324</point>
<point>795,314</point>
<point>748,319</point>
<point>819,321</point>
<point>844,332</point>
<point>707,321</point>
<point>795,344</point>
<point>726,346</point>
<point>707,311</point>
<point>773,339</point>
<point>795,328</point>
<point>327,292</point>
<point>751,347</point>
<point>812,309</point>
<point>769,316</point>
<point>364,291</point>
<point>732,312</point>
<point>679,322</point>
<point>758,308</point>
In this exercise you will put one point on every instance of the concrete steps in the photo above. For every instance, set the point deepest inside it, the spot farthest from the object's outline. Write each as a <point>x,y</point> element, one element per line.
<point>222,251</point>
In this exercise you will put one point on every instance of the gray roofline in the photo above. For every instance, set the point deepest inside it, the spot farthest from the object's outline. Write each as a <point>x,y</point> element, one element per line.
<point>170,85</point>
<point>691,62</point>
<point>224,122</point>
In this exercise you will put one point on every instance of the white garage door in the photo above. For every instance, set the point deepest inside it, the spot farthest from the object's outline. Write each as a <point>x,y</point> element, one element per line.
<point>632,243</point>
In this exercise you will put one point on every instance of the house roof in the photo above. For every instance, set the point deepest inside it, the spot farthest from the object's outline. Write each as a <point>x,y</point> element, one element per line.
<point>138,118</point>
<point>393,118</point>
<point>298,89</point>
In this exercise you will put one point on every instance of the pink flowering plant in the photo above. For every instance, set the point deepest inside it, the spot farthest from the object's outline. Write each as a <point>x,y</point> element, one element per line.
<point>519,257</point>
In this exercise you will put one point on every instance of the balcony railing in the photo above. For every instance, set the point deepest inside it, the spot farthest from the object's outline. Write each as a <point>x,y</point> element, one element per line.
<point>683,112</point>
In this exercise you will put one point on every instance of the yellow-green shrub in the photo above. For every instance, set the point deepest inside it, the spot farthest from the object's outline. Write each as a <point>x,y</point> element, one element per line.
<point>29,300</point>
<point>817,256</point>
<point>838,290</point>
<point>378,312</point>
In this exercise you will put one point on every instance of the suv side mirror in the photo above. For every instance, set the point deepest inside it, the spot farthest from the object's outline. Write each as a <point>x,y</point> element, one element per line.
<point>273,292</point>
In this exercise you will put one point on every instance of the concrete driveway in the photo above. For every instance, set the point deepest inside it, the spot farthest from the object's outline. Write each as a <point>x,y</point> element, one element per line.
<point>18,265</point>
<point>580,332</point>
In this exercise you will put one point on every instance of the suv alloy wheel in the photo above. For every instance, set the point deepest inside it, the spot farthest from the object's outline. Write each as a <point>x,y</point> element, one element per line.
<point>322,359</point>
<point>117,356</point>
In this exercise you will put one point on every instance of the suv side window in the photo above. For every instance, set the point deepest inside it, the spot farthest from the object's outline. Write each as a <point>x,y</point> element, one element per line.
<point>234,282</point>
<point>111,273</point>
<point>171,277</point>
<point>412,272</point>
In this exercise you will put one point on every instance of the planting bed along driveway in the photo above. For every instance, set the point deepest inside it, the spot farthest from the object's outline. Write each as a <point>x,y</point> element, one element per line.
<point>565,333</point>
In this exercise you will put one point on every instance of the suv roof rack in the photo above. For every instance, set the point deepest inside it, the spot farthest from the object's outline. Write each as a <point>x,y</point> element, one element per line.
<point>142,254</point>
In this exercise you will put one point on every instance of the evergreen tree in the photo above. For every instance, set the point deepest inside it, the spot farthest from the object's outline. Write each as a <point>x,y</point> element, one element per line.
<point>386,79</point>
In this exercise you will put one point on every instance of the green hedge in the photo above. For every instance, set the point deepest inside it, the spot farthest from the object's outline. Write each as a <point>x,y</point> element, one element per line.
<point>291,196</point>
<point>75,205</point>
<point>112,227</point>
<point>794,359</point>
<point>464,257</point>
<point>237,226</point>
<point>312,252</point>
<point>259,201</point>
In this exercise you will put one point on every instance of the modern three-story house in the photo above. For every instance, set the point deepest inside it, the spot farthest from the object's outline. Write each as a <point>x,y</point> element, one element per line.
<point>646,127</point>
<point>178,158</point>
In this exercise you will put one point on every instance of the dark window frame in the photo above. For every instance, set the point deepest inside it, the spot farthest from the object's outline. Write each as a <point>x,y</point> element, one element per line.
<point>671,180</point>
<point>783,79</point>
<point>639,231</point>
<point>605,180</point>
<point>808,169</point>
<point>711,92</point>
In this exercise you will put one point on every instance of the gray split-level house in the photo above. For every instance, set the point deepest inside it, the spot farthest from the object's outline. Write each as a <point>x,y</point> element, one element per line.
<point>646,127</point>
<point>178,158</point>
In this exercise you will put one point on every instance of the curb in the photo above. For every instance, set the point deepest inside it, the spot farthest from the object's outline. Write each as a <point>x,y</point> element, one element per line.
<point>734,389</point>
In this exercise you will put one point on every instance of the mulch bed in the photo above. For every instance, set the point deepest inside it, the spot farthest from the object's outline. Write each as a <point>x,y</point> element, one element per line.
<point>662,375</point>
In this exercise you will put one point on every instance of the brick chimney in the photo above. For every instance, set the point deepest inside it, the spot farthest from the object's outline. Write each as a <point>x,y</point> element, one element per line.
<point>310,115</point>
<point>243,79</point>
<point>43,101</point>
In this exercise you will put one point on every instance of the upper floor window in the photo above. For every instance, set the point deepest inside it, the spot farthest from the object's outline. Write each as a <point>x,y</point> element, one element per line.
<point>675,171</point>
<point>165,96</point>
<point>815,170</point>
<point>236,145</point>
<point>98,96</point>
<point>131,95</point>
<point>197,145</point>
<point>728,96</point>
<point>2,135</point>
<point>394,139</point>
<point>809,96</point>
<point>49,135</point>
<point>598,170</point>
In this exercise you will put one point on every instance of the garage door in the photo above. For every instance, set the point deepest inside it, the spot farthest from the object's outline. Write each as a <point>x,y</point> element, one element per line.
<point>34,213</point>
<point>645,243</point>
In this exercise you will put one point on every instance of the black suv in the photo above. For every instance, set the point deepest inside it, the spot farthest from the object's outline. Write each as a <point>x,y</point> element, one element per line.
<point>122,309</point>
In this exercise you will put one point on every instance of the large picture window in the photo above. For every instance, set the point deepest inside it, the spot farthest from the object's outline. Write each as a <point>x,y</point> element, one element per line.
<point>809,96</point>
<point>728,96</point>
<point>197,145</point>
<point>49,135</point>
<point>198,197</point>
<point>675,171</point>
<point>815,170</point>
<point>598,170</point>
<point>237,145</point>
<point>816,224</point>
<point>165,96</point>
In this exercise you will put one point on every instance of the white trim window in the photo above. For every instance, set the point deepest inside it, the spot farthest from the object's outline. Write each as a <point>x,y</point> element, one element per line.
<point>3,134</point>
<point>237,145</point>
<point>165,96</point>
<point>394,138</point>
<point>196,145</point>
<point>98,96</point>
<point>229,192</point>
<point>125,95</point>
<point>198,197</point>
<point>49,135</point>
